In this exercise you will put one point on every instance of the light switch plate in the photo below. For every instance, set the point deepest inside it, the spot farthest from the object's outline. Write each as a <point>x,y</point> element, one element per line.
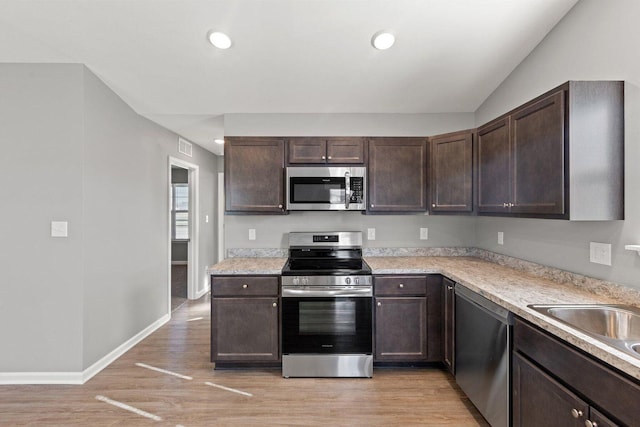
<point>371,234</point>
<point>500,238</point>
<point>424,233</point>
<point>252,234</point>
<point>600,253</point>
<point>59,229</point>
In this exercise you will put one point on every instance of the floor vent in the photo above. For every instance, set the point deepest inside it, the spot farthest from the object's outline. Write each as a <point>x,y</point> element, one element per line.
<point>185,147</point>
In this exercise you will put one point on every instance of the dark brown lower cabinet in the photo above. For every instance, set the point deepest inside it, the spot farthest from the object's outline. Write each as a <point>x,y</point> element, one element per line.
<point>408,318</point>
<point>555,384</point>
<point>539,400</point>
<point>244,320</point>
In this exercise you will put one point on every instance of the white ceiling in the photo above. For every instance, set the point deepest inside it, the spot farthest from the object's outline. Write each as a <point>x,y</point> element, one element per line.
<point>288,56</point>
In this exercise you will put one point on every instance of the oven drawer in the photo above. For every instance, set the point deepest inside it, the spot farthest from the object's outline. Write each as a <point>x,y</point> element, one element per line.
<point>400,285</point>
<point>244,286</point>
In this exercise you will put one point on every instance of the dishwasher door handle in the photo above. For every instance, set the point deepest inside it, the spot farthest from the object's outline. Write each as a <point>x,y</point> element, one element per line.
<point>489,307</point>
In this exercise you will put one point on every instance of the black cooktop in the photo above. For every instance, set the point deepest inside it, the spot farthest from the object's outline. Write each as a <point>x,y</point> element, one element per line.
<point>333,267</point>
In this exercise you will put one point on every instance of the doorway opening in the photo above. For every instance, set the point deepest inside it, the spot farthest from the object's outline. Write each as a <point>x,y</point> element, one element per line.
<point>183,232</point>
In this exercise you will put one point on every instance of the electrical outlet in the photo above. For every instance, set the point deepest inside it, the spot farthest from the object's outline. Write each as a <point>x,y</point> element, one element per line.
<point>600,253</point>
<point>424,233</point>
<point>59,229</point>
<point>371,234</point>
<point>500,238</point>
<point>252,234</point>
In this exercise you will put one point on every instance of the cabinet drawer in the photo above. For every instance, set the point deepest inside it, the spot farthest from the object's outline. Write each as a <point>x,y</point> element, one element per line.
<point>400,285</point>
<point>244,286</point>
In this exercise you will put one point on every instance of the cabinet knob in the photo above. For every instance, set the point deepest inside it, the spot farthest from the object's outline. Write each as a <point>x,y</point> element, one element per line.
<point>511,205</point>
<point>450,287</point>
<point>279,206</point>
<point>275,304</point>
<point>576,413</point>
<point>372,206</point>
<point>433,205</point>
<point>401,285</point>
<point>245,286</point>
<point>329,157</point>
<point>505,205</point>
<point>323,157</point>
<point>379,303</point>
<point>589,423</point>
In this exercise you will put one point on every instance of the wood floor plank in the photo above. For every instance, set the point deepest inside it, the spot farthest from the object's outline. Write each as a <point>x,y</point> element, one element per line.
<point>393,397</point>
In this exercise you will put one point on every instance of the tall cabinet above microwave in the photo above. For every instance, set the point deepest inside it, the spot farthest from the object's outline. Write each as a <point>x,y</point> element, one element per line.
<point>313,188</point>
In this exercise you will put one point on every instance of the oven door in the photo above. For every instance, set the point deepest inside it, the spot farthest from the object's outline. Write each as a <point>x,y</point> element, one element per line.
<point>327,325</point>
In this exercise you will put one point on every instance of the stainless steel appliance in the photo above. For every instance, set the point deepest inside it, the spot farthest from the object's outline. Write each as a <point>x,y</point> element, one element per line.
<point>483,346</point>
<point>319,188</point>
<point>327,303</point>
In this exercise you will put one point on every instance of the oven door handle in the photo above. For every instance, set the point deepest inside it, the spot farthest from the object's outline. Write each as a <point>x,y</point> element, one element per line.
<point>309,292</point>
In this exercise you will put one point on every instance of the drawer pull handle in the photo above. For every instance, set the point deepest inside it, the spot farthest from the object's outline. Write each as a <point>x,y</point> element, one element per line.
<point>576,413</point>
<point>245,286</point>
<point>401,285</point>
<point>275,304</point>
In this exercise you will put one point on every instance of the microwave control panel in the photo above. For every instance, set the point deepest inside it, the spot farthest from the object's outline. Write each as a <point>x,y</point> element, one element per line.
<point>356,190</point>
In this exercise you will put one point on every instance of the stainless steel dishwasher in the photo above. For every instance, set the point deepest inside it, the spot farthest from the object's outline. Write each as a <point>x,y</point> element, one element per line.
<point>482,354</point>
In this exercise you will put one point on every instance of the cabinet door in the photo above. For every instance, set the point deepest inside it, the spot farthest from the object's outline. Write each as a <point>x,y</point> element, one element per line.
<point>244,329</point>
<point>400,329</point>
<point>538,400</point>
<point>599,420</point>
<point>397,175</point>
<point>307,150</point>
<point>537,133</point>
<point>254,175</point>
<point>494,182</point>
<point>449,324</point>
<point>451,180</point>
<point>345,150</point>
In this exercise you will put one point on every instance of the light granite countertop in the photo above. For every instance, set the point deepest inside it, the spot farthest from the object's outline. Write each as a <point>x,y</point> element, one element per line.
<point>248,265</point>
<point>511,288</point>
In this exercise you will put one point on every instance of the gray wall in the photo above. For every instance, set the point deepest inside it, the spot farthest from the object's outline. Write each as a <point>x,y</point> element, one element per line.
<point>41,165</point>
<point>597,40</point>
<point>83,156</point>
<point>391,230</point>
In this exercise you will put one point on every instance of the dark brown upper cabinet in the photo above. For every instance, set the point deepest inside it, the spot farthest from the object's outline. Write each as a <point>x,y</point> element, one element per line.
<point>451,180</point>
<point>558,156</point>
<point>319,150</point>
<point>254,175</point>
<point>397,175</point>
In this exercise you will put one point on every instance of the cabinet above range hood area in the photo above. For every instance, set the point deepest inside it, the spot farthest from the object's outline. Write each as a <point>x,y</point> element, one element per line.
<point>558,156</point>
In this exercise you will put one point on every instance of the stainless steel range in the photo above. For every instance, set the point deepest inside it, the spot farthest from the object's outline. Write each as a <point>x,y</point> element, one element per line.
<point>326,307</point>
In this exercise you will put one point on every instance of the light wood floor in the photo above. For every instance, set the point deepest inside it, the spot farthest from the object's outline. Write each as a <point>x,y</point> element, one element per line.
<point>394,397</point>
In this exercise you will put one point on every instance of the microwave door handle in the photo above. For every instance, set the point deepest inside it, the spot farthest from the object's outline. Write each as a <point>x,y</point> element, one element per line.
<point>347,190</point>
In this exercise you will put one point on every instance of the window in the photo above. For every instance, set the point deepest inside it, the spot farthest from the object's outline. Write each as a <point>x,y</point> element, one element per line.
<point>180,211</point>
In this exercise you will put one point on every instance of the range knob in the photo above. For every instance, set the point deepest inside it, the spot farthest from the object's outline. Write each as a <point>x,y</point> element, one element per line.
<point>347,280</point>
<point>296,281</point>
<point>356,280</point>
<point>305,281</point>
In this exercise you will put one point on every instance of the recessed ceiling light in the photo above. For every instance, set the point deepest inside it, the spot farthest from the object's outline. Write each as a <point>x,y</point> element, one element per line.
<point>219,40</point>
<point>219,141</point>
<point>383,40</point>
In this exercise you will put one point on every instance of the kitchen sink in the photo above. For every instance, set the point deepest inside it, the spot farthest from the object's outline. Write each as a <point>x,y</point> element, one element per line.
<point>616,325</point>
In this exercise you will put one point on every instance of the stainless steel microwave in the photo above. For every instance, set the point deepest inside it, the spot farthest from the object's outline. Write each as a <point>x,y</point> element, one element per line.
<point>330,188</point>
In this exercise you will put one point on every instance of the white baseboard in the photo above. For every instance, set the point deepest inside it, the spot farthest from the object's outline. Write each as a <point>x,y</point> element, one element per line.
<point>40,378</point>
<point>202,292</point>
<point>87,374</point>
